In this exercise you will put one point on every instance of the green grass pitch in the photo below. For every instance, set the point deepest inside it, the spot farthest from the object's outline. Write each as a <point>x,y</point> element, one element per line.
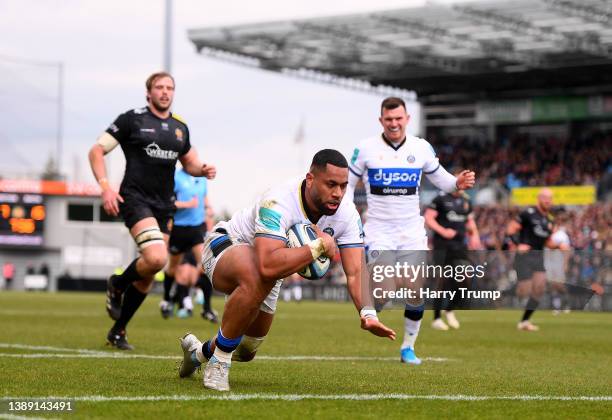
<point>54,345</point>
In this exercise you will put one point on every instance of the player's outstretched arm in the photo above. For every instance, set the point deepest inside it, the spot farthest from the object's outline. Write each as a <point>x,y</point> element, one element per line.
<point>376,327</point>
<point>353,263</point>
<point>465,180</point>
<point>195,167</point>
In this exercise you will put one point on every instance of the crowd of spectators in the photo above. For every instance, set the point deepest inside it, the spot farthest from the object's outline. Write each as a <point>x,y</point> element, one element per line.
<point>529,160</point>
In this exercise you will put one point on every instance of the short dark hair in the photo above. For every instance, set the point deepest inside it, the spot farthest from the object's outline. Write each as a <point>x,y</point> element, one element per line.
<point>392,102</point>
<point>328,156</point>
<point>152,78</point>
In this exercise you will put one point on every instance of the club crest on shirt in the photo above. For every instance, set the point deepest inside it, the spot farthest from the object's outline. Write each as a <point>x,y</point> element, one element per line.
<point>268,204</point>
<point>411,159</point>
<point>179,134</point>
<point>329,231</point>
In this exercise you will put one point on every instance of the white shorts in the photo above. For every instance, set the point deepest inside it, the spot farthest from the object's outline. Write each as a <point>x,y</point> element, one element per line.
<point>554,263</point>
<point>216,243</point>
<point>382,235</point>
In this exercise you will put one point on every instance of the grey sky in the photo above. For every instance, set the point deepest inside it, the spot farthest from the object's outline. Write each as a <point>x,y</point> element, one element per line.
<point>242,119</point>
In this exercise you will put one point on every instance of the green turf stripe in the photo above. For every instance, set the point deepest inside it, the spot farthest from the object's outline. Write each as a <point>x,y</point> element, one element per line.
<point>299,397</point>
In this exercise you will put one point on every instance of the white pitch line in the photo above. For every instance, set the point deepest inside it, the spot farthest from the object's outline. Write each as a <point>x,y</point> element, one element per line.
<point>14,417</point>
<point>301,397</point>
<point>109,355</point>
<point>100,354</point>
<point>348,358</point>
<point>20,312</point>
<point>48,348</point>
<point>85,356</point>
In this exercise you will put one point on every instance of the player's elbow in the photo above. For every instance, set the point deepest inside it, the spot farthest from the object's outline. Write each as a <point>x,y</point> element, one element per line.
<point>267,272</point>
<point>95,153</point>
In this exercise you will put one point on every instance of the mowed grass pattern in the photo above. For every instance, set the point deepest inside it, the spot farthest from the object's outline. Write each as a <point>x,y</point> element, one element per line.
<point>570,357</point>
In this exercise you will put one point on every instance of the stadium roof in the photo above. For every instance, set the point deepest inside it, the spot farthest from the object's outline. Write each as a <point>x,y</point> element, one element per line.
<point>436,48</point>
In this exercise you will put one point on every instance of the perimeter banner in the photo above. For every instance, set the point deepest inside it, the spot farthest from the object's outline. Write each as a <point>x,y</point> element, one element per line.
<point>574,195</point>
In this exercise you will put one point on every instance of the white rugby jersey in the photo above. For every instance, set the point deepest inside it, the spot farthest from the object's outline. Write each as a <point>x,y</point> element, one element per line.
<point>554,259</point>
<point>280,208</point>
<point>392,175</point>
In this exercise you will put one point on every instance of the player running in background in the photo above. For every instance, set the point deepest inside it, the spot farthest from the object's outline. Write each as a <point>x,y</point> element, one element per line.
<point>451,218</point>
<point>391,165</point>
<point>531,232</point>
<point>152,139</point>
<point>186,277</point>
<point>556,265</point>
<point>187,232</point>
<point>246,256</point>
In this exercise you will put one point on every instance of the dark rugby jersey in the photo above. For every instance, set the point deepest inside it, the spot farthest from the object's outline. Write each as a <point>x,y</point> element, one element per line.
<point>536,228</point>
<point>151,146</point>
<point>453,213</point>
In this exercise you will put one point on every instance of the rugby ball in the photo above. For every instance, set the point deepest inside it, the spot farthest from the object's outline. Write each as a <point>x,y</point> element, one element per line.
<point>299,235</point>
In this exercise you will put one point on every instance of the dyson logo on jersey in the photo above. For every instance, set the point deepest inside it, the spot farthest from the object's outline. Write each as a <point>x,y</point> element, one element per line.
<point>394,181</point>
<point>395,177</point>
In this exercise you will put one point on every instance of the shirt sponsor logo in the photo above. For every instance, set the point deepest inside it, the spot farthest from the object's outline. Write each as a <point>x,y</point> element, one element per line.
<point>164,126</point>
<point>456,217</point>
<point>113,128</point>
<point>154,151</point>
<point>541,231</point>
<point>147,130</point>
<point>394,177</point>
<point>394,181</point>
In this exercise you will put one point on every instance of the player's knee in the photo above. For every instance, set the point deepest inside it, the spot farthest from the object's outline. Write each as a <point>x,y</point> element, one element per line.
<point>538,291</point>
<point>255,285</point>
<point>247,349</point>
<point>155,261</point>
<point>523,289</point>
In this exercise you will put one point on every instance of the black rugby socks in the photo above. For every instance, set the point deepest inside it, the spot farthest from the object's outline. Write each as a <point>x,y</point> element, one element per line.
<point>132,299</point>
<point>129,276</point>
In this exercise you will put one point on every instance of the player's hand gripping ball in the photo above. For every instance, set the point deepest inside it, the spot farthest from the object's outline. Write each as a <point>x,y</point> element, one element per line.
<point>299,235</point>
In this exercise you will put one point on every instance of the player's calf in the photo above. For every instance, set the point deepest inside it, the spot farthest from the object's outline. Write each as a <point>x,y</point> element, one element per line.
<point>246,351</point>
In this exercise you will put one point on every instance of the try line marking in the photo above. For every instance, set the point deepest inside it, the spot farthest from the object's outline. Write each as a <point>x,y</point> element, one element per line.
<point>68,353</point>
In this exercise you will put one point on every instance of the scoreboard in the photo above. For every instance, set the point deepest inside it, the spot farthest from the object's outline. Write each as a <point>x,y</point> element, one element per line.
<point>22,218</point>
